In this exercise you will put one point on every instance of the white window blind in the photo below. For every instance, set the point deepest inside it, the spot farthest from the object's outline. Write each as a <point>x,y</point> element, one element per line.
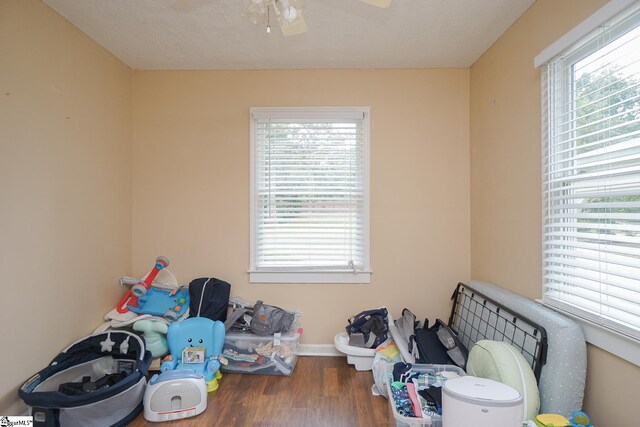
<point>310,192</point>
<point>591,177</point>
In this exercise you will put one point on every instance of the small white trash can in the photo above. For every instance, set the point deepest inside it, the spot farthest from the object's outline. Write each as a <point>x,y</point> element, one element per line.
<point>480,402</point>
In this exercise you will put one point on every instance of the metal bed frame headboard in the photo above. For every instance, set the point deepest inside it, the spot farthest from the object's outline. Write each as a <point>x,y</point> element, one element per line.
<point>476,317</point>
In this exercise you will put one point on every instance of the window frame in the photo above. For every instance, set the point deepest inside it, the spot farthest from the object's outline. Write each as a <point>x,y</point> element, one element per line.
<point>611,340</point>
<point>309,274</point>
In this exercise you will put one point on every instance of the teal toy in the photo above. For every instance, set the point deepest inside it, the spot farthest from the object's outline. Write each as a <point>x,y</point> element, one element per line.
<point>196,344</point>
<point>154,332</point>
<point>580,419</point>
<point>163,302</point>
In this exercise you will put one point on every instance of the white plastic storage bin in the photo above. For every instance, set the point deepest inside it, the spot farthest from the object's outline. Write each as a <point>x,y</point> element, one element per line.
<point>433,421</point>
<point>480,402</point>
<point>248,353</point>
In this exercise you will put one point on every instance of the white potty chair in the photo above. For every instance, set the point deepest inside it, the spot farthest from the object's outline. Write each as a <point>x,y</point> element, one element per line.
<point>360,358</point>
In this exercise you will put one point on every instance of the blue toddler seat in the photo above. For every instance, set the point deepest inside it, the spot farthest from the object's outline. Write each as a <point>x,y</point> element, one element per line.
<point>199,341</point>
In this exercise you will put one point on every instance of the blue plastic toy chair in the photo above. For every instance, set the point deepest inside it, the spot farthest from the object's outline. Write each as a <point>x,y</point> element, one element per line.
<point>184,338</point>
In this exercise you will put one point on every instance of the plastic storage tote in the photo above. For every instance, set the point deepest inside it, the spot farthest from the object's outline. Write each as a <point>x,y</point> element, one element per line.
<point>248,353</point>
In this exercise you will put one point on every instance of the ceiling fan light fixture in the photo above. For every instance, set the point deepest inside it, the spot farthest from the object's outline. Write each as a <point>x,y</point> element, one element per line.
<point>288,13</point>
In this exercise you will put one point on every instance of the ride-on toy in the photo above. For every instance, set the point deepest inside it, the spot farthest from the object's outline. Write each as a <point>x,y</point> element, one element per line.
<point>164,303</point>
<point>131,297</point>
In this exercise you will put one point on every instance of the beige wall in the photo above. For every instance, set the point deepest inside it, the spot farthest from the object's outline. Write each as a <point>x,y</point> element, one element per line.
<point>68,176</point>
<point>506,184</point>
<point>65,187</point>
<point>191,183</point>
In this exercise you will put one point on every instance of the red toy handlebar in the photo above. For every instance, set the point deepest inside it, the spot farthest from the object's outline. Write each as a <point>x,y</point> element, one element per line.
<point>138,290</point>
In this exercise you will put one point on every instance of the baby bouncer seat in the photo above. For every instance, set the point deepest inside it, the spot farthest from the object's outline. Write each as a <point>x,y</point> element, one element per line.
<point>195,344</point>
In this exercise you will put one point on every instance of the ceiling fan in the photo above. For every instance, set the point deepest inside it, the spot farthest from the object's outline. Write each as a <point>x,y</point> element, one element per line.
<point>288,13</point>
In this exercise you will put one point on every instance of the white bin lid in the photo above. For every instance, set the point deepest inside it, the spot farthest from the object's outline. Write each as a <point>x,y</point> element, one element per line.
<point>476,390</point>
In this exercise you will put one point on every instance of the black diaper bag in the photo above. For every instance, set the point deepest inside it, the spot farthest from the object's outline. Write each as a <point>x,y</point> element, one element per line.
<point>438,344</point>
<point>368,329</point>
<point>209,297</point>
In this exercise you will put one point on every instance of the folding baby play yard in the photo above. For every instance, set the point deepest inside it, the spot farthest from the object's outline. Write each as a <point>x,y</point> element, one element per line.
<point>116,358</point>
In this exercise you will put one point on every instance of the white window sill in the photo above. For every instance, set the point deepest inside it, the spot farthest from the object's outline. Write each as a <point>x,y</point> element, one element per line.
<point>615,343</point>
<point>340,276</point>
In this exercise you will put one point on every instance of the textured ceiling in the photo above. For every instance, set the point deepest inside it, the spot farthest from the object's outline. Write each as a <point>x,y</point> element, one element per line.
<point>213,34</point>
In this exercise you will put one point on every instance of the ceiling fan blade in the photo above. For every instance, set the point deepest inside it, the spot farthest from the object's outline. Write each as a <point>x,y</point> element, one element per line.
<point>255,11</point>
<point>378,3</point>
<point>295,27</point>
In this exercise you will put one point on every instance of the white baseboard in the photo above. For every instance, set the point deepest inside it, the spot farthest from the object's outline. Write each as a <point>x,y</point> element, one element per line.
<point>318,350</point>
<point>16,408</point>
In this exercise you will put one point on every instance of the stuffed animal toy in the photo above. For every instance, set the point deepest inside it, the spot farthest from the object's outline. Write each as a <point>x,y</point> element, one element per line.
<point>155,332</point>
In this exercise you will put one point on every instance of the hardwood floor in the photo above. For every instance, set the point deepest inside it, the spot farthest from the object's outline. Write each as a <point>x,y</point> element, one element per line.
<point>323,391</point>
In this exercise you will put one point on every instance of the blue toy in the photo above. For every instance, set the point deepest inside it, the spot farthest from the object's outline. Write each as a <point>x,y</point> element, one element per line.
<point>580,419</point>
<point>196,344</point>
<point>163,302</point>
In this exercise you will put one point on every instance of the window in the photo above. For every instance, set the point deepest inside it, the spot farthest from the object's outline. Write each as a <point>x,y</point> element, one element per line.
<point>591,177</point>
<point>309,195</point>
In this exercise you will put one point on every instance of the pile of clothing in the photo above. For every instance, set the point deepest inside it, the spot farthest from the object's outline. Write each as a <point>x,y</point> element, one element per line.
<point>418,394</point>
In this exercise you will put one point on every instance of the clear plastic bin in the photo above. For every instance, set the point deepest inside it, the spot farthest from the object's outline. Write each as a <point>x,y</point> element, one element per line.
<point>248,353</point>
<point>433,421</point>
